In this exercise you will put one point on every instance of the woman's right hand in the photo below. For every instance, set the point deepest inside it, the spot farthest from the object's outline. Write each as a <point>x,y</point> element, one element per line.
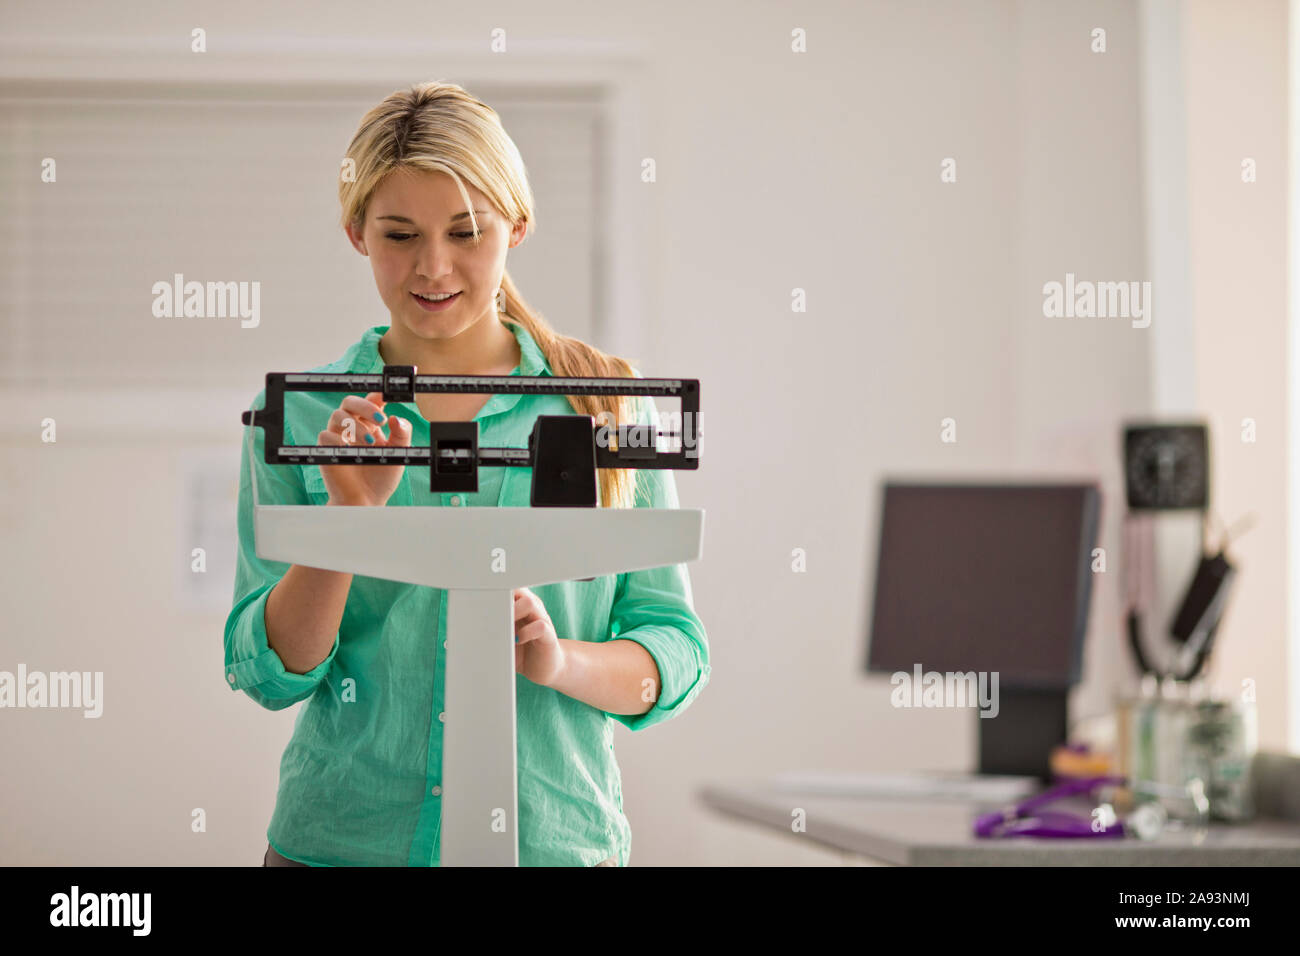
<point>369,485</point>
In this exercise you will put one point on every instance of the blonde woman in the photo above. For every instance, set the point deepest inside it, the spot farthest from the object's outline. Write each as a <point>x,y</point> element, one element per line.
<point>434,196</point>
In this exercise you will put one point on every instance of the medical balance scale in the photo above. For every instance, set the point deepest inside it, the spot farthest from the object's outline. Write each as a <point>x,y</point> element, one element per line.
<point>563,536</point>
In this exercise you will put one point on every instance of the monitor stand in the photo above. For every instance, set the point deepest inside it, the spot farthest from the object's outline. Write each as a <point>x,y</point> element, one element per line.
<point>1020,739</point>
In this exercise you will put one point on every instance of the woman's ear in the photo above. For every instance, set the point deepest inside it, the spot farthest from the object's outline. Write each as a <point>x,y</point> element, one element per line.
<point>517,233</point>
<point>354,237</point>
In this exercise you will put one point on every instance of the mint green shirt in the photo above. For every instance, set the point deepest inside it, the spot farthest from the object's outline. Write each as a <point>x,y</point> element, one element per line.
<point>361,780</point>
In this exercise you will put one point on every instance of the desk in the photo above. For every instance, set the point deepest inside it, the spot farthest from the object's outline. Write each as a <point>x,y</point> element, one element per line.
<point>928,832</point>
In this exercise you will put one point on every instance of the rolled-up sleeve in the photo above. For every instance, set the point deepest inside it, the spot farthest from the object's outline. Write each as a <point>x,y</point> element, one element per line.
<point>655,608</point>
<point>251,665</point>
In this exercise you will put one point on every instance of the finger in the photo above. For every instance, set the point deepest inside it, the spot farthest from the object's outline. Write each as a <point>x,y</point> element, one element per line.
<point>359,428</point>
<point>525,610</point>
<point>400,436</point>
<point>368,416</point>
<point>366,408</point>
<point>530,632</point>
<point>329,438</point>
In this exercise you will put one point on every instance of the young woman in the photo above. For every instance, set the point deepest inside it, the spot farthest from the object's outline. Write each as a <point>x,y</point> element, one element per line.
<point>435,193</point>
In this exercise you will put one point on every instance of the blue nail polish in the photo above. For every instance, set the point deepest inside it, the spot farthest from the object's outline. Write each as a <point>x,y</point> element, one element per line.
<point>370,438</point>
<point>379,418</point>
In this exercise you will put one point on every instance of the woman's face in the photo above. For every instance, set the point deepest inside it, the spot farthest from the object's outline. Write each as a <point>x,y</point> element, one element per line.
<point>419,240</point>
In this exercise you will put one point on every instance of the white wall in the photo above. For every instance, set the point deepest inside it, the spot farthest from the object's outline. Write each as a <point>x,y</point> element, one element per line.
<point>1236,94</point>
<point>776,171</point>
<point>1216,89</point>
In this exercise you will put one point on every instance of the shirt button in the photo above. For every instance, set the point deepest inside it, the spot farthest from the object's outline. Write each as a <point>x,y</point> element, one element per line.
<point>437,791</point>
<point>442,715</point>
<point>455,499</point>
<point>444,643</point>
<point>231,677</point>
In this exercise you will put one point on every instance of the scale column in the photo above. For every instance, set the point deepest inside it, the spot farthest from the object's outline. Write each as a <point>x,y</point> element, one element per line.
<point>480,809</point>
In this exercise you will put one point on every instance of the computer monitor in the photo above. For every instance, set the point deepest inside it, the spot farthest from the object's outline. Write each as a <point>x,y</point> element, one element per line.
<point>989,578</point>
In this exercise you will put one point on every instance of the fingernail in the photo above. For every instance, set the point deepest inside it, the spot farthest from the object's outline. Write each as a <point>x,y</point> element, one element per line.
<point>370,438</point>
<point>379,418</point>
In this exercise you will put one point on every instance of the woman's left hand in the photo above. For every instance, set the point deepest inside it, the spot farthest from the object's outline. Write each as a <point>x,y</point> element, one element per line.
<point>539,655</point>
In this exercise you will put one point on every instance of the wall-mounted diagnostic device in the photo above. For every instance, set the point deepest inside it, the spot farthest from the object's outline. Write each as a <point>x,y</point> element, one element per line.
<point>1167,469</point>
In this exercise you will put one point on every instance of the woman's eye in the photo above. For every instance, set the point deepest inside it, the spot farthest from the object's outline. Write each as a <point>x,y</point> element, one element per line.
<point>403,236</point>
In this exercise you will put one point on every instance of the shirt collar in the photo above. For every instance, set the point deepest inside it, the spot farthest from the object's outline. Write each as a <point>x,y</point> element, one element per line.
<point>531,360</point>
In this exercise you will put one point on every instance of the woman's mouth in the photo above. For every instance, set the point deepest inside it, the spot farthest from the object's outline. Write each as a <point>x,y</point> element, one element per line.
<point>431,306</point>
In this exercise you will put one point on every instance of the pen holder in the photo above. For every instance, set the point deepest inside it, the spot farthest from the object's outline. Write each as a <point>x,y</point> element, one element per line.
<point>1192,754</point>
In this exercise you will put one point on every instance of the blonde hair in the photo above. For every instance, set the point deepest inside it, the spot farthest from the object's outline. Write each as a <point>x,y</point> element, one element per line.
<point>440,127</point>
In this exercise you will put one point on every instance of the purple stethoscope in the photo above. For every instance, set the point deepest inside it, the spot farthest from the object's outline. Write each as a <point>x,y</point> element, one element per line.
<point>1025,819</point>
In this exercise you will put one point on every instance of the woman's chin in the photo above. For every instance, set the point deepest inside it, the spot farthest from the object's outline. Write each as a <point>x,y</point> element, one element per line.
<point>432,325</point>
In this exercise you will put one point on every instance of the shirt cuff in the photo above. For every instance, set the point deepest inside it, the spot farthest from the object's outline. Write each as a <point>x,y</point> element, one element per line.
<point>681,673</point>
<point>254,667</point>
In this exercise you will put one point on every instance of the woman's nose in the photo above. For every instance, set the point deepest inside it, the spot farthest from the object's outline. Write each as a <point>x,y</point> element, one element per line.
<point>434,260</point>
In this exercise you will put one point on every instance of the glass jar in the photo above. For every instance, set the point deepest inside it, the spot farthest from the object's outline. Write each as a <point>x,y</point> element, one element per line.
<point>1220,742</point>
<point>1192,753</point>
